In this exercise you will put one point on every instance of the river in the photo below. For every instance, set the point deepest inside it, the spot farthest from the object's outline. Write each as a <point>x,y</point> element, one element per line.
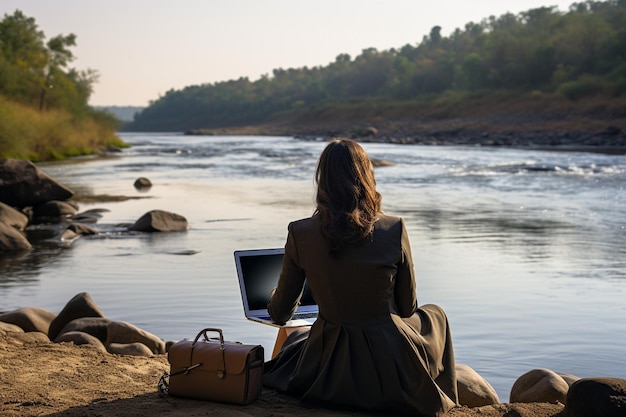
<point>525,250</point>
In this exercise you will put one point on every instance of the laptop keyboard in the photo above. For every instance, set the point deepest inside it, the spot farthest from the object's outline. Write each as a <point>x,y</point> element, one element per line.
<point>305,315</point>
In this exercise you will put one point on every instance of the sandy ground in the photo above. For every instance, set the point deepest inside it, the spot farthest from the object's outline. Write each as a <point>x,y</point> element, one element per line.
<point>40,378</point>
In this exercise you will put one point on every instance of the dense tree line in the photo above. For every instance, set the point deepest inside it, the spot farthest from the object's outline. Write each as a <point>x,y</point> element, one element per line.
<point>39,88</point>
<point>575,53</point>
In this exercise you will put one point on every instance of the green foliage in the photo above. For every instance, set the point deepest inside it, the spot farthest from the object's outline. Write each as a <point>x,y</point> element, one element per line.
<point>577,53</point>
<point>28,133</point>
<point>44,111</point>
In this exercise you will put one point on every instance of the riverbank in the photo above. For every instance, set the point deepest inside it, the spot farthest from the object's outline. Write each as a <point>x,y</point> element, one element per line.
<point>61,379</point>
<point>593,125</point>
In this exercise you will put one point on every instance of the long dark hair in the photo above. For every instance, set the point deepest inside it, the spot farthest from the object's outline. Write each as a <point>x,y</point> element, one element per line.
<point>347,201</point>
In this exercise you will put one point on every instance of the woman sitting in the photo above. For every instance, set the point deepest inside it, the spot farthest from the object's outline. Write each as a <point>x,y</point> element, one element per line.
<point>371,346</point>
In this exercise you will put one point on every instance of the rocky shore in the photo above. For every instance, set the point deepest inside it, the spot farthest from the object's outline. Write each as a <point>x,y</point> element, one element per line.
<point>78,362</point>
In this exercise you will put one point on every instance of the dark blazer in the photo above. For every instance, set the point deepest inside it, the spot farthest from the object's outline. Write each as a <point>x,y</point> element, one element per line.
<point>371,346</point>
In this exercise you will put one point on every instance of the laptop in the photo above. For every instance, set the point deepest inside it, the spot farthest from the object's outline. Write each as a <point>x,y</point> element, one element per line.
<point>258,271</point>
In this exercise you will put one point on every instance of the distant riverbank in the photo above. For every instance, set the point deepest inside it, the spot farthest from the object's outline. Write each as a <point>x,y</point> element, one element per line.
<point>593,126</point>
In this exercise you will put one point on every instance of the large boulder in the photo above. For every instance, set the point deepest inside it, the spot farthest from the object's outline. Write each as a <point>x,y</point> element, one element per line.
<point>473,389</point>
<point>12,239</point>
<point>29,319</point>
<point>22,184</point>
<point>597,397</point>
<point>160,221</point>
<point>54,208</point>
<point>12,217</point>
<point>81,305</point>
<point>539,386</point>
<point>94,326</point>
<point>121,332</point>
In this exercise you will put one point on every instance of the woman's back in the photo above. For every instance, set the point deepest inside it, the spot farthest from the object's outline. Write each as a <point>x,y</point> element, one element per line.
<point>358,286</point>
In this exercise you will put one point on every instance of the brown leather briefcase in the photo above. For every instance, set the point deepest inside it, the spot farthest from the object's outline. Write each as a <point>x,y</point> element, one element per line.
<point>214,370</point>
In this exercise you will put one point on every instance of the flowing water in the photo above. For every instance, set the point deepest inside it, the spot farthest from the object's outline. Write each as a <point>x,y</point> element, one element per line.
<point>525,250</point>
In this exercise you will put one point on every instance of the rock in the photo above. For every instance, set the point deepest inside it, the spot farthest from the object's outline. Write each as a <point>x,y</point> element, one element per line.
<point>23,184</point>
<point>539,385</point>
<point>94,326</point>
<point>134,349</point>
<point>81,305</point>
<point>570,379</point>
<point>88,216</point>
<point>12,217</point>
<point>597,397</point>
<point>54,208</point>
<point>12,239</point>
<point>29,319</point>
<point>30,337</point>
<point>142,182</point>
<point>8,327</point>
<point>80,338</point>
<point>122,332</point>
<point>160,221</point>
<point>474,390</point>
<point>76,230</point>
<point>382,163</point>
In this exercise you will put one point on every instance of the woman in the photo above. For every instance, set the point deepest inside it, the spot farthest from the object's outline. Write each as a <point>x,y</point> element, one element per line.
<point>370,347</point>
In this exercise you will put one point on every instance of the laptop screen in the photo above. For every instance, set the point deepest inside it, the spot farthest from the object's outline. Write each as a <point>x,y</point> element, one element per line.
<point>259,273</point>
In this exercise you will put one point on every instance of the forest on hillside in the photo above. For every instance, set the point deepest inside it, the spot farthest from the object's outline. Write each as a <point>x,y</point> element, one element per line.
<point>44,110</point>
<point>571,54</point>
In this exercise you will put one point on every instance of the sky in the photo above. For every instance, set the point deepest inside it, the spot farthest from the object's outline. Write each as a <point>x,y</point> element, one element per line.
<point>143,48</point>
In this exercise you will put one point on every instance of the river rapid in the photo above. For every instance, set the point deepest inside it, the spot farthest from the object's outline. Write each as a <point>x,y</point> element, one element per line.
<point>525,250</point>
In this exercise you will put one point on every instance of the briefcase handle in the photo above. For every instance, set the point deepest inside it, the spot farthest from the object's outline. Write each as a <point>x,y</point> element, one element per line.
<point>204,332</point>
<point>222,372</point>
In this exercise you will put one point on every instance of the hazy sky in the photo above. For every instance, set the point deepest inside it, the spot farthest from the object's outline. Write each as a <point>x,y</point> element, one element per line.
<point>143,48</point>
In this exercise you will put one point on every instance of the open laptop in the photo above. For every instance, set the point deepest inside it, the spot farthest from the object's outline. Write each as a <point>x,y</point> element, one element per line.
<point>258,271</point>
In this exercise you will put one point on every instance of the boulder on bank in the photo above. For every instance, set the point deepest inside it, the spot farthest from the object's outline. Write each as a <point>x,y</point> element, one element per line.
<point>22,184</point>
<point>81,305</point>
<point>94,326</point>
<point>12,239</point>
<point>160,221</point>
<point>121,332</point>
<point>54,208</point>
<point>539,385</point>
<point>12,217</point>
<point>473,389</point>
<point>29,319</point>
<point>597,397</point>
<point>80,338</point>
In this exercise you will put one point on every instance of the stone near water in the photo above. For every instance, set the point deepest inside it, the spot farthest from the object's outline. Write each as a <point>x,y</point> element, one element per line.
<point>122,332</point>
<point>142,183</point>
<point>12,217</point>
<point>80,338</point>
<point>539,385</point>
<point>54,208</point>
<point>597,397</point>
<point>22,184</point>
<point>160,221</point>
<point>29,319</point>
<point>94,326</point>
<point>81,305</point>
<point>12,240</point>
<point>473,389</point>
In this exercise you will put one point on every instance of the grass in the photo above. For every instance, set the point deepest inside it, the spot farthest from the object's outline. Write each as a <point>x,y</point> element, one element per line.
<point>26,133</point>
